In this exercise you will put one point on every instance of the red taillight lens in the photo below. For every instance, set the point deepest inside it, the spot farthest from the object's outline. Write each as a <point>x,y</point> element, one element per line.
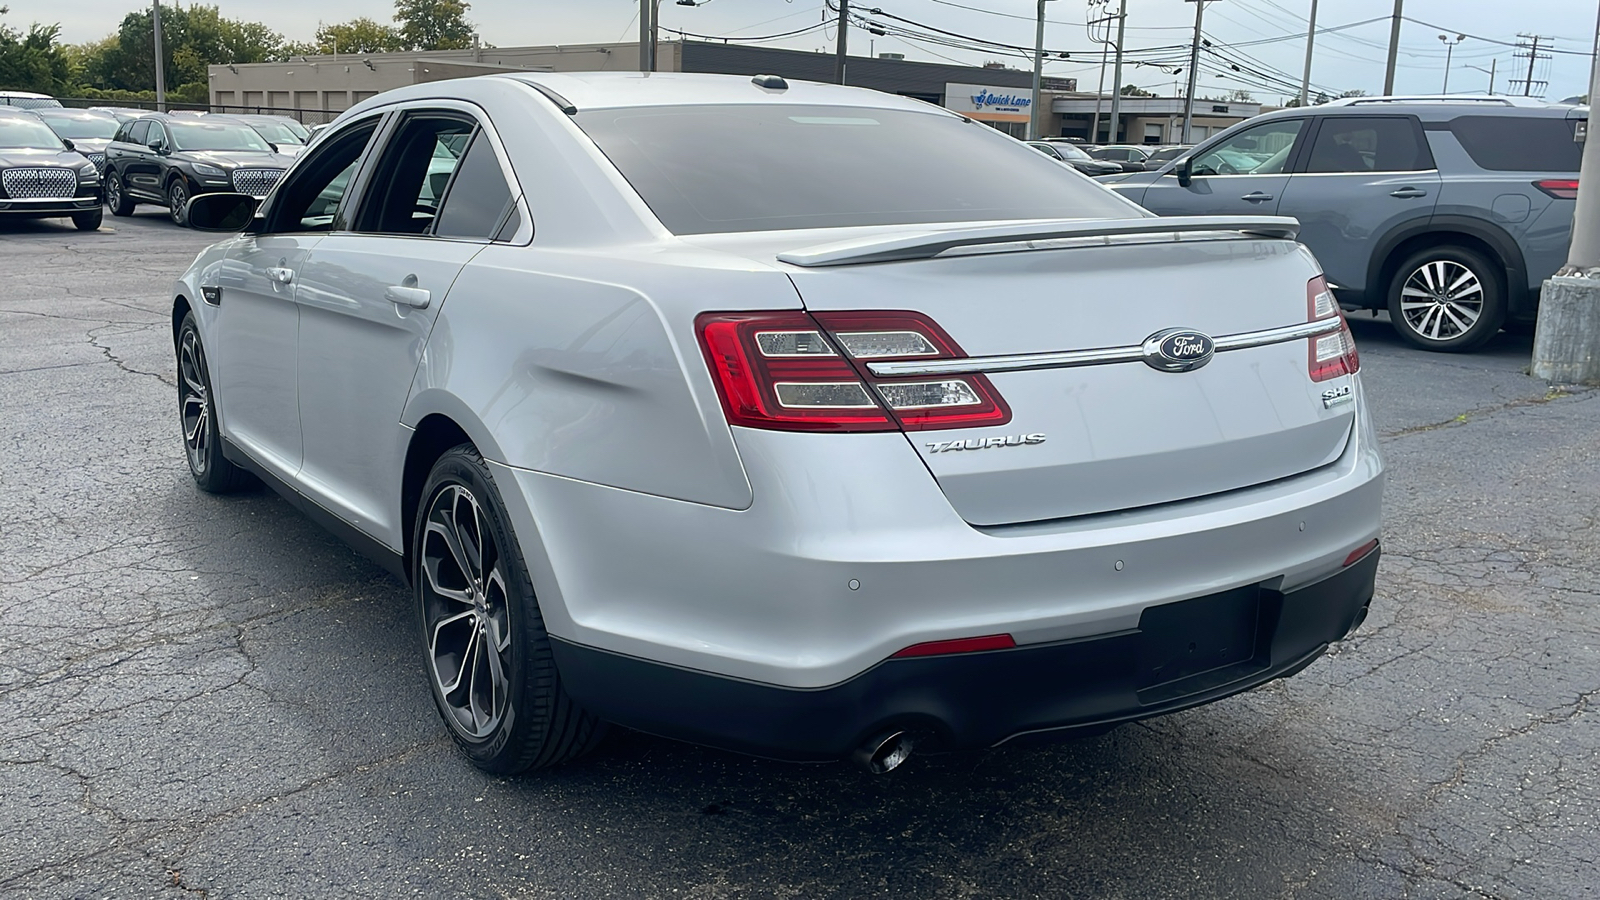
<point>1360,553</point>
<point>790,371</point>
<point>959,645</point>
<point>1329,355</point>
<point>1559,188</point>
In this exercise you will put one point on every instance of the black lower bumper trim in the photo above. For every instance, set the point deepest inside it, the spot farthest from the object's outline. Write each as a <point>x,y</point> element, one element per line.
<point>973,700</point>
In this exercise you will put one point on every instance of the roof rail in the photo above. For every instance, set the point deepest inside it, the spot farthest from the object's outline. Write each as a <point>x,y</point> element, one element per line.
<point>1440,98</point>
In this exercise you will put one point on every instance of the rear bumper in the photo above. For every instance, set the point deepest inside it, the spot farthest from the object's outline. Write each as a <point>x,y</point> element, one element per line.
<point>975,700</point>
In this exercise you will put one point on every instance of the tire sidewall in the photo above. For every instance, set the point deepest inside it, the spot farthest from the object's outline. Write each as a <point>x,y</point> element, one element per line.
<point>117,195</point>
<point>176,211</point>
<point>89,221</point>
<point>502,750</point>
<point>215,464</point>
<point>1490,275</point>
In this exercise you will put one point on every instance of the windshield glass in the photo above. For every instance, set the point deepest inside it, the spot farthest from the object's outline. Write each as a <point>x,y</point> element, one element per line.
<point>707,169</point>
<point>91,128</point>
<point>1070,152</point>
<point>214,136</point>
<point>17,133</point>
<point>280,132</point>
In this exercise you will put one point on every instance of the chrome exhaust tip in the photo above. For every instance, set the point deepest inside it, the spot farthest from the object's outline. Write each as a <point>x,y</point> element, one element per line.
<point>884,753</point>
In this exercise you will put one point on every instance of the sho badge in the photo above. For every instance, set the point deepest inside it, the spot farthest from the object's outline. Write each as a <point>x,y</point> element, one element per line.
<point>1010,440</point>
<point>1335,396</point>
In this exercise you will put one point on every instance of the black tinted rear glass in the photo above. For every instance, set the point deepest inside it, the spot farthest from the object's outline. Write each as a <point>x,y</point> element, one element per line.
<point>1519,143</point>
<point>706,169</point>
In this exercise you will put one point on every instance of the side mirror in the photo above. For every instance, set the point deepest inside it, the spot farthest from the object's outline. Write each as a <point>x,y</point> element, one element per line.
<point>231,213</point>
<point>159,146</point>
<point>67,142</point>
<point>271,146</point>
<point>1185,171</point>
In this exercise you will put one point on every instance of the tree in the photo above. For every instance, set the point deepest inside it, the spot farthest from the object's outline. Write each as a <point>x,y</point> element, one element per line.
<point>34,61</point>
<point>193,38</point>
<point>1240,96</point>
<point>361,35</point>
<point>1133,90</point>
<point>433,24</point>
<point>1354,93</point>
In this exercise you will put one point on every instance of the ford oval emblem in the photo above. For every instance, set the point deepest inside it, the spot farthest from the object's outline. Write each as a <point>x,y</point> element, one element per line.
<point>1178,350</point>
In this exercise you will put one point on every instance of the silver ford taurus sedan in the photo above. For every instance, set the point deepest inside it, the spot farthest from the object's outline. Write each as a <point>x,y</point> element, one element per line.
<point>696,404</point>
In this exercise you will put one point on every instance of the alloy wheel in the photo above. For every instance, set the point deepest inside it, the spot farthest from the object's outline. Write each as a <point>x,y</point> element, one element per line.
<point>465,612</point>
<point>177,196</point>
<point>113,193</point>
<point>1442,299</point>
<point>194,401</point>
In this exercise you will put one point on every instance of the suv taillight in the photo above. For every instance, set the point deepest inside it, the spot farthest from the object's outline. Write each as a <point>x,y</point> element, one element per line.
<point>1334,354</point>
<point>790,371</point>
<point>1559,188</point>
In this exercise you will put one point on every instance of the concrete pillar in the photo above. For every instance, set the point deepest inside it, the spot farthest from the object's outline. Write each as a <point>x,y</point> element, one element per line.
<point>1566,345</point>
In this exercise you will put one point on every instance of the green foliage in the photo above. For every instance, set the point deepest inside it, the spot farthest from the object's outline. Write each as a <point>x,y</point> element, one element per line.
<point>192,38</point>
<point>358,36</point>
<point>33,61</point>
<point>433,24</point>
<point>1133,90</point>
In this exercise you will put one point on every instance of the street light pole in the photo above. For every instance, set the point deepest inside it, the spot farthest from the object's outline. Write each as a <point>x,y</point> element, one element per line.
<point>1449,48</point>
<point>1311,40</point>
<point>161,68</point>
<point>1194,72</point>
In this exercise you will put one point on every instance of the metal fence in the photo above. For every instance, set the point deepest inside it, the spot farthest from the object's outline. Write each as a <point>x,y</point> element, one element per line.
<point>303,116</point>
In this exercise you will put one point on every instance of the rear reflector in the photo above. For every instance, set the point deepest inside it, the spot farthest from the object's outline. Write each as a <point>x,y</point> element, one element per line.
<point>785,371</point>
<point>1360,552</point>
<point>1559,188</point>
<point>959,645</point>
<point>1332,355</point>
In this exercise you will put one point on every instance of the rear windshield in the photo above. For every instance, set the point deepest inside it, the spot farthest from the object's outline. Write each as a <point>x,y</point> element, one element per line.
<point>708,169</point>
<point>214,136</point>
<point>1519,143</point>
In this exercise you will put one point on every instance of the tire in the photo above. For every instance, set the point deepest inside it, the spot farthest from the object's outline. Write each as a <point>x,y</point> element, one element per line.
<point>488,657</point>
<point>177,196</point>
<point>197,419</point>
<point>89,221</point>
<point>116,196</point>
<point>1447,299</point>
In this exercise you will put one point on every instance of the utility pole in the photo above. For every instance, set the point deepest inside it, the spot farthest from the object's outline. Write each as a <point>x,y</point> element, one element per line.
<point>1532,48</point>
<point>1194,73</point>
<point>1489,71</point>
<point>1038,72</point>
<point>1105,52</point>
<point>844,28</point>
<point>1116,79</point>
<point>161,68</point>
<point>1311,40</point>
<point>647,32</point>
<point>1394,49</point>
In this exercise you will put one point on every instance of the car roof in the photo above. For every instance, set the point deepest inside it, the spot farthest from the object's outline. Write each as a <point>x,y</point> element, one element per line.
<point>1431,107</point>
<point>65,112</point>
<point>612,90</point>
<point>28,94</point>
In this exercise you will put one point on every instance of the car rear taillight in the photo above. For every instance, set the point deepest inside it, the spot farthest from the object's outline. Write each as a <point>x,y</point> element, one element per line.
<point>1559,188</point>
<point>1334,354</point>
<point>790,371</point>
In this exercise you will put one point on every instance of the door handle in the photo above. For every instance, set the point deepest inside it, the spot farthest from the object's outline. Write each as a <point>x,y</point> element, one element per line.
<point>280,274</point>
<point>1256,197</point>
<point>408,294</point>
<point>1409,193</point>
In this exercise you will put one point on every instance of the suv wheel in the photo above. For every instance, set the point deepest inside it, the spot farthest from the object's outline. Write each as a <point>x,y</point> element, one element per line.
<point>212,471</point>
<point>488,656</point>
<point>89,221</point>
<point>1447,298</point>
<point>117,198</point>
<point>177,197</point>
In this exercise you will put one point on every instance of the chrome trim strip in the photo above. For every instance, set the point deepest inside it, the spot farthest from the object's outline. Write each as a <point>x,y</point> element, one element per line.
<point>1101,357</point>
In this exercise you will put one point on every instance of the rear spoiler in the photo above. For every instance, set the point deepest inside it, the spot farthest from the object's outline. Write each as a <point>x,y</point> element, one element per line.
<point>930,243</point>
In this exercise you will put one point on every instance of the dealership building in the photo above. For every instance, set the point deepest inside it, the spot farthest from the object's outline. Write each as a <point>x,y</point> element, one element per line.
<point>317,88</point>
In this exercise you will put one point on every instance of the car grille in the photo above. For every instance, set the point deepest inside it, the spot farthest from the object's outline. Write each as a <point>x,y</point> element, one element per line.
<point>99,160</point>
<point>54,183</point>
<point>255,182</point>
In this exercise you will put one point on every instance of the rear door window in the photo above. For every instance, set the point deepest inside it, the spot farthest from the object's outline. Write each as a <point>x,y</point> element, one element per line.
<point>479,196</point>
<point>1368,144</point>
<point>412,174</point>
<point>1519,143</point>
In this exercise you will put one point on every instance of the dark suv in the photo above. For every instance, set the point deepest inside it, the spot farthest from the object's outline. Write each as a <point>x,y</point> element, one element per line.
<point>1449,212</point>
<point>168,159</point>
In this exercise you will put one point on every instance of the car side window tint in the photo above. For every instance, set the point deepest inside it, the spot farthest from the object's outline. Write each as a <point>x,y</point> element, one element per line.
<point>137,131</point>
<point>479,195</point>
<point>157,135</point>
<point>1368,144</point>
<point>413,173</point>
<point>1263,150</point>
<point>310,200</point>
<point>1519,143</point>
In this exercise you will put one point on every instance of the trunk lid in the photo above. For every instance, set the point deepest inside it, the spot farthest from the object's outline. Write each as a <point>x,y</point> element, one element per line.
<point>1115,436</point>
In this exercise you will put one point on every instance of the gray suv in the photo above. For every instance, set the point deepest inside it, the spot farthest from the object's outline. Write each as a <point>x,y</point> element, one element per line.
<point>1448,212</point>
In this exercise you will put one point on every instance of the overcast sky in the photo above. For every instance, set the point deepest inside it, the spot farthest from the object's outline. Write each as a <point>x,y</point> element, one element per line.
<point>1349,58</point>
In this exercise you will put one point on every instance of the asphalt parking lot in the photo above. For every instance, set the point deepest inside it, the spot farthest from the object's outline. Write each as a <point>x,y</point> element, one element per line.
<point>209,695</point>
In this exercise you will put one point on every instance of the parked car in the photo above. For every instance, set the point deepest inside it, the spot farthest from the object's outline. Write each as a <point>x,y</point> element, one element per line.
<point>1130,157</point>
<point>89,131</point>
<point>1075,158</point>
<point>28,100</point>
<point>42,176</point>
<point>123,113</point>
<point>286,136</point>
<point>698,405</point>
<point>1449,212</point>
<point>166,159</point>
<point>1161,155</point>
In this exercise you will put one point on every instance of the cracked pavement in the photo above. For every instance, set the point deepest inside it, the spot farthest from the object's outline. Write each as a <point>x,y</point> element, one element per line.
<point>210,696</point>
